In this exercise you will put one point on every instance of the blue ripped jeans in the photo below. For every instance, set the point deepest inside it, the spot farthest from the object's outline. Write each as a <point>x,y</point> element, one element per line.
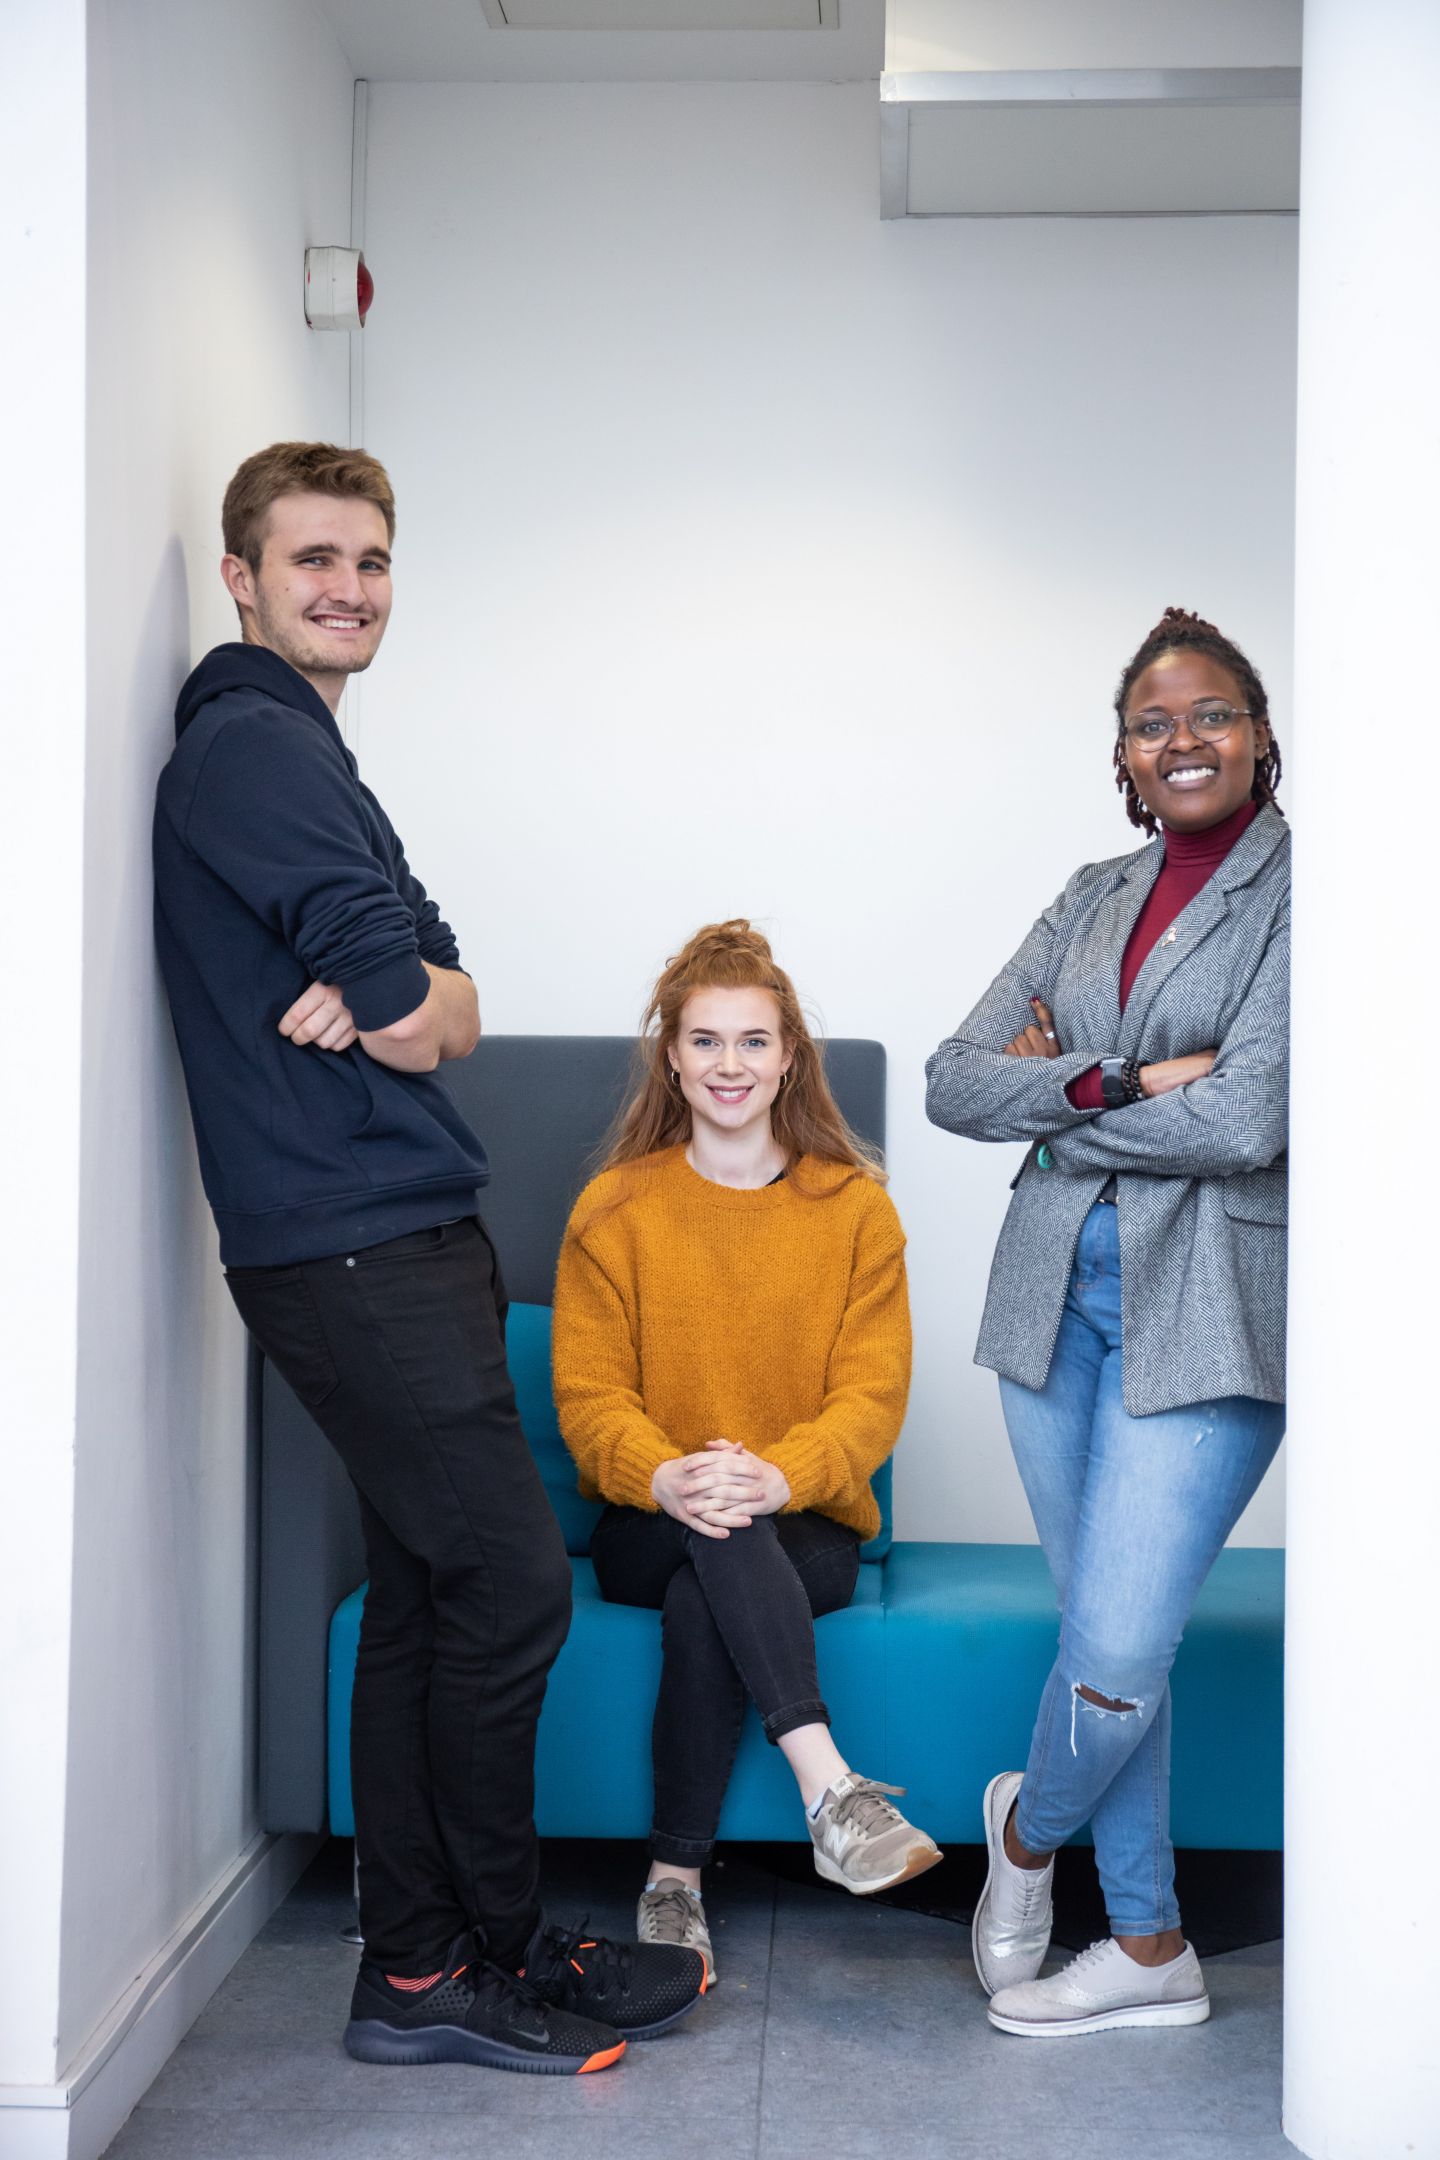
<point>1131,1512</point>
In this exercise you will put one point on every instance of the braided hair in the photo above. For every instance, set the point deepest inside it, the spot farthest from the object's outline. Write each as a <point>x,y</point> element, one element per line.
<point>1177,630</point>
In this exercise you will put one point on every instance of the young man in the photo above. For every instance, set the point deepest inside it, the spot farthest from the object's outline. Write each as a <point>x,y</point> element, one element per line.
<point>315,989</point>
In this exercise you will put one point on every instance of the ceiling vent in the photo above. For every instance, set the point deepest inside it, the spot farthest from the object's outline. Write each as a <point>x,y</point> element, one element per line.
<point>661,14</point>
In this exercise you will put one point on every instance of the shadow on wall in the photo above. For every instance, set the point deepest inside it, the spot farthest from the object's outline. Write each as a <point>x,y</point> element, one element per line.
<point>165,1505</point>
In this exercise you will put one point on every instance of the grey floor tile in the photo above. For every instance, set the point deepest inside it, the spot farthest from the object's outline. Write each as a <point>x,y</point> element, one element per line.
<point>1098,2142</point>
<point>269,2041</point>
<point>281,1991</point>
<point>1259,1953</point>
<point>839,2028</point>
<point>309,2134</point>
<point>956,2141</point>
<point>271,2038</point>
<point>227,2077</point>
<point>270,2035</point>
<point>876,2018</point>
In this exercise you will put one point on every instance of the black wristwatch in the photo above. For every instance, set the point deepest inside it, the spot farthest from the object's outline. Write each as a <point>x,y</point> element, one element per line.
<point>1119,1082</point>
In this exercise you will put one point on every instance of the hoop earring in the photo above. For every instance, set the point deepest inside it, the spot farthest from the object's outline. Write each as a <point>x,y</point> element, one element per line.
<point>674,1076</point>
<point>783,1078</point>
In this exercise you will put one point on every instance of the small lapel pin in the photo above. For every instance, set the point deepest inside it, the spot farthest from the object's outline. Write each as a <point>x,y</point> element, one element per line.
<point>1169,938</point>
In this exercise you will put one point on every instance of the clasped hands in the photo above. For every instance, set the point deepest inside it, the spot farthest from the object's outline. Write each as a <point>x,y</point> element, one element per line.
<point>720,1488</point>
<point>1041,1039</point>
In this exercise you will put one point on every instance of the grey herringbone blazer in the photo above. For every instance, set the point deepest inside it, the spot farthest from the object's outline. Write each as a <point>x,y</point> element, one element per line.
<point>1201,1172</point>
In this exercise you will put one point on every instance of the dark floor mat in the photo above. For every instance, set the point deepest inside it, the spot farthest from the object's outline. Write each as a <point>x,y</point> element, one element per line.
<point>1228,1900</point>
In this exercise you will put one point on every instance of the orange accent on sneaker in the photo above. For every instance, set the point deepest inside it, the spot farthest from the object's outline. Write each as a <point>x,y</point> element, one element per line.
<point>603,2060</point>
<point>415,1987</point>
<point>704,1973</point>
<point>578,1967</point>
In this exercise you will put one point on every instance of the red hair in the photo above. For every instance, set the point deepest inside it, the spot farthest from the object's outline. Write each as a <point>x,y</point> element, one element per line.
<point>804,1117</point>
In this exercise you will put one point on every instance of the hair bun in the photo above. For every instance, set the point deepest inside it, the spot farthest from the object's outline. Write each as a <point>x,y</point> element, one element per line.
<point>735,936</point>
<point>1179,618</point>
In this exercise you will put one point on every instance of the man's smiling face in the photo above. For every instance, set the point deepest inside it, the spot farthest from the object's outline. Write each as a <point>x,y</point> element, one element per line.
<point>321,597</point>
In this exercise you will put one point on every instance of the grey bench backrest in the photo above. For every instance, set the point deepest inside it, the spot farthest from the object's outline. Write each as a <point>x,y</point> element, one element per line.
<point>542,1104</point>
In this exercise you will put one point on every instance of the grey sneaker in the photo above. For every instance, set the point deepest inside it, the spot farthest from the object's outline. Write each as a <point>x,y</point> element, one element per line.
<point>1010,1933</point>
<point>863,1842</point>
<point>670,1912</point>
<point>1104,1987</point>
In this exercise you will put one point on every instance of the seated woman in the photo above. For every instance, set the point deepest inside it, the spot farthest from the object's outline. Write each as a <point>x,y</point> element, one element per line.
<point>732,1356</point>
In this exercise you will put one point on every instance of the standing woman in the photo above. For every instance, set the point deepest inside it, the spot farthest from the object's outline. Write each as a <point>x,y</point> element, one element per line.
<point>1136,1310</point>
<point>732,1357</point>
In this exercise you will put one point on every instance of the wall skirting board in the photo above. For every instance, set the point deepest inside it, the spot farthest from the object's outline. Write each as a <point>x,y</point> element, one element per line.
<point>76,2118</point>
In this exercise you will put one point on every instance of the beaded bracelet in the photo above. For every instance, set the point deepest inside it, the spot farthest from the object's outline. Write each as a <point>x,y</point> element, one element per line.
<point>1130,1075</point>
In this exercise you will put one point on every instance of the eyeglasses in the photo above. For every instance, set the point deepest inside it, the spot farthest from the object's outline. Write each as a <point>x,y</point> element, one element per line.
<point>1209,722</point>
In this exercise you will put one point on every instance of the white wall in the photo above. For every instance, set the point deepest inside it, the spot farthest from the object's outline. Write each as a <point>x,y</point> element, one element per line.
<point>757,557</point>
<point>42,578</point>
<point>219,146</point>
<point>1362,2074</point>
<point>921,34</point>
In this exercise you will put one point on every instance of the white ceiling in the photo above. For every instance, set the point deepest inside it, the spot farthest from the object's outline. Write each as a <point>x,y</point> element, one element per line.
<point>983,34</point>
<point>653,14</point>
<point>450,41</point>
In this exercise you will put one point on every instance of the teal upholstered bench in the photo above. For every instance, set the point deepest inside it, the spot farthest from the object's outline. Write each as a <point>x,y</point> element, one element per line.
<point>932,1674</point>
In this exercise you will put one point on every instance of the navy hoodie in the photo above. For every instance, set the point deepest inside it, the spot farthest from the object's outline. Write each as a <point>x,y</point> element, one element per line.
<point>276,868</point>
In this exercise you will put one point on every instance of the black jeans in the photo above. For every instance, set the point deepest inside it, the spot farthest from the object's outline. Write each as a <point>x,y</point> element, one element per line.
<point>398,1353</point>
<point>738,1616</point>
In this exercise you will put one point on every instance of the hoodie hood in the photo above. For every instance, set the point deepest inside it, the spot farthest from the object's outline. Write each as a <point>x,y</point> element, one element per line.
<point>249,667</point>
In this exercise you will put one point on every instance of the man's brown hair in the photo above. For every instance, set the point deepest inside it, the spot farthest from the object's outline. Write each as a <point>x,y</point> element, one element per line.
<point>297,468</point>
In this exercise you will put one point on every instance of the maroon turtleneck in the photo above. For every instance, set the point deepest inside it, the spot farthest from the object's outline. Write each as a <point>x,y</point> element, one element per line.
<point>1191,860</point>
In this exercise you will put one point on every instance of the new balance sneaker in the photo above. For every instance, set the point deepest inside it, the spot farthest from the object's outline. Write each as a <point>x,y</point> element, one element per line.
<point>863,1842</point>
<point>640,1988</point>
<point>669,1911</point>
<point>1101,1988</point>
<point>1010,1933</point>
<point>471,2012</point>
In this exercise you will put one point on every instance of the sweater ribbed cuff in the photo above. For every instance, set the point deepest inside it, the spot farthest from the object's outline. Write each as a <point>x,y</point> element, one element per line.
<point>387,993</point>
<point>808,1464</point>
<point>627,1483</point>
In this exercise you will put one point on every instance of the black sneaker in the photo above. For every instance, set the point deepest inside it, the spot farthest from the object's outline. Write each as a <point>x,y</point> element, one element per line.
<point>472,2012</point>
<point>639,1988</point>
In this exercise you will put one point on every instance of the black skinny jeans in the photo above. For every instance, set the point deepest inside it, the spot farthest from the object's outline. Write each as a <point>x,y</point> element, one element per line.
<point>738,1620</point>
<point>398,1353</point>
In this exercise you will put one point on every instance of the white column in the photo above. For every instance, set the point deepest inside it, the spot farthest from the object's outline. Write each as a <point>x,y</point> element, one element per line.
<point>1362,1962</point>
<point>42,600</point>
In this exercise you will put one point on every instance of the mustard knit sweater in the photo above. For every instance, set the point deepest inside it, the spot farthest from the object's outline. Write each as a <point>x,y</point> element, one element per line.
<point>685,1310</point>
